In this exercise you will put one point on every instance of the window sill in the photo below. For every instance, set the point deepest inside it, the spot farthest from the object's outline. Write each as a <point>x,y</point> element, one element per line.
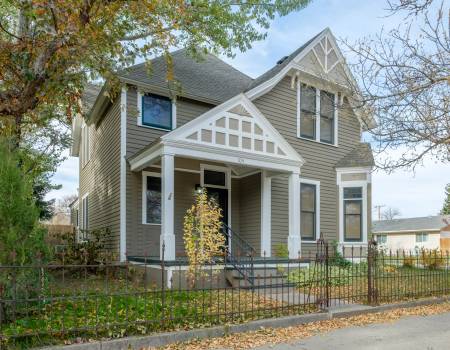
<point>308,241</point>
<point>153,127</point>
<point>150,224</point>
<point>319,142</point>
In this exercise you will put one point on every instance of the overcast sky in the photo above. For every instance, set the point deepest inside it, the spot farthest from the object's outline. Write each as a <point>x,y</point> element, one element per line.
<point>418,194</point>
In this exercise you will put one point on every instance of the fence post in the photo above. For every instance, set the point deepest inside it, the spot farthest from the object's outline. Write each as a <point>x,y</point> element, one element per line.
<point>371,263</point>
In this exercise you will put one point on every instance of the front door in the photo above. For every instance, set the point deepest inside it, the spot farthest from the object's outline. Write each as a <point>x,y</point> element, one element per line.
<point>220,196</point>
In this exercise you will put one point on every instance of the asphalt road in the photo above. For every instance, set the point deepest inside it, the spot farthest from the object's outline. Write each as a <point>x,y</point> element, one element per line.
<point>409,333</point>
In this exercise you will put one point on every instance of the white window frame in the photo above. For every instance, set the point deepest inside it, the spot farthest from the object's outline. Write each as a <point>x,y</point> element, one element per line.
<point>317,218</point>
<point>422,235</point>
<point>358,183</point>
<point>317,121</point>
<point>379,235</point>
<point>83,224</point>
<point>227,186</point>
<point>144,197</point>
<point>85,145</point>
<point>140,95</point>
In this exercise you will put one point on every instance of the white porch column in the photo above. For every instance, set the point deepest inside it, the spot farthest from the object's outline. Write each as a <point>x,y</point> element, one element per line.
<point>167,207</point>
<point>294,241</point>
<point>266,214</point>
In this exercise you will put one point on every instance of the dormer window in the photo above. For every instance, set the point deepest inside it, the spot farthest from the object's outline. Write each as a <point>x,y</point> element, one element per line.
<point>155,111</point>
<point>316,114</point>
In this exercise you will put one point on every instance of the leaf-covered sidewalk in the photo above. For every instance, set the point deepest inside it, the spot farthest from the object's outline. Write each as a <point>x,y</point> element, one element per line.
<point>281,335</point>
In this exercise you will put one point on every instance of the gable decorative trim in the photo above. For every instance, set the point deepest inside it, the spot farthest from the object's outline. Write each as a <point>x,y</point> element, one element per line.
<point>236,125</point>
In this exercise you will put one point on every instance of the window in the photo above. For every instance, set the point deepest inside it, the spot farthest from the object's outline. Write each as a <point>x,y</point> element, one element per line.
<point>85,212</point>
<point>353,214</point>
<point>308,112</point>
<point>421,237</point>
<point>157,111</point>
<point>326,117</point>
<point>381,239</point>
<point>85,145</point>
<point>317,117</point>
<point>215,178</point>
<point>308,211</point>
<point>151,198</point>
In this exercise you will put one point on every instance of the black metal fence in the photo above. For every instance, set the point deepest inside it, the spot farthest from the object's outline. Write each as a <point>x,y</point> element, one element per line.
<point>62,303</point>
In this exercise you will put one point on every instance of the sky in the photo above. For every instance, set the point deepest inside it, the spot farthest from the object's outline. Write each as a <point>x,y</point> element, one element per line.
<point>415,194</point>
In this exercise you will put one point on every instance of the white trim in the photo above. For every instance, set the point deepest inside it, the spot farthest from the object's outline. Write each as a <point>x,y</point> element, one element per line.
<point>145,174</point>
<point>268,85</point>
<point>167,206</point>
<point>227,186</point>
<point>316,183</point>
<point>182,132</point>
<point>407,231</point>
<point>317,115</point>
<point>174,113</point>
<point>266,214</point>
<point>85,145</point>
<point>355,170</point>
<point>299,106</point>
<point>123,173</point>
<point>140,94</point>
<point>347,184</point>
<point>294,240</point>
<point>84,209</point>
<point>336,120</point>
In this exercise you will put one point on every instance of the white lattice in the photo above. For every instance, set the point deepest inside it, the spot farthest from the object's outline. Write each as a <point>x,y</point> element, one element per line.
<point>326,54</point>
<point>236,129</point>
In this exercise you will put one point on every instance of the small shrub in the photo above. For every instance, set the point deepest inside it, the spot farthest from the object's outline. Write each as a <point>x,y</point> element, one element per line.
<point>92,251</point>
<point>281,250</point>
<point>337,258</point>
<point>432,259</point>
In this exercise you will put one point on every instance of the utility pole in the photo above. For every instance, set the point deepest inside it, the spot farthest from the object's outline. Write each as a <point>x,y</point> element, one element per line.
<point>378,208</point>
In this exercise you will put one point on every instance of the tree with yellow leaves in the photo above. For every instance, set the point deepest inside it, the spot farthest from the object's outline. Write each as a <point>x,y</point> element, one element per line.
<point>203,239</point>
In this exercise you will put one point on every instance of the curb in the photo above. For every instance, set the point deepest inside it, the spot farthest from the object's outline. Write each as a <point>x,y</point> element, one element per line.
<point>162,339</point>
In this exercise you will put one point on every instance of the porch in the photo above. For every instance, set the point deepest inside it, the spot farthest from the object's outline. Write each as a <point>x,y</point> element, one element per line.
<point>233,152</point>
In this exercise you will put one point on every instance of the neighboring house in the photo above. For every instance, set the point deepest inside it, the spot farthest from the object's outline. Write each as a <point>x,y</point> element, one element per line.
<point>282,153</point>
<point>410,234</point>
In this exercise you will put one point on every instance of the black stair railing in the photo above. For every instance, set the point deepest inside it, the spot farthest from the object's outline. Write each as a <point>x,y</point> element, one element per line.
<point>239,254</point>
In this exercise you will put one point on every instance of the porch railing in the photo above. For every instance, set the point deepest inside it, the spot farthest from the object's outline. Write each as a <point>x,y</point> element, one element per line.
<point>240,254</point>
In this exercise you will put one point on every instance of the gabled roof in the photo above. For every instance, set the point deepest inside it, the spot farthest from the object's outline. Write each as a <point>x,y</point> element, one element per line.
<point>427,223</point>
<point>360,156</point>
<point>281,64</point>
<point>209,80</point>
<point>89,96</point>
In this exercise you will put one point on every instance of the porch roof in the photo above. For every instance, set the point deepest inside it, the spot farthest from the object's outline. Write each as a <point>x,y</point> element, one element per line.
<point>234,133</point>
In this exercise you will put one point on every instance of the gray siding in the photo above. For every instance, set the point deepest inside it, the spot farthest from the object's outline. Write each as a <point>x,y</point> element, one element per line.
<point>279,107</point>
<point>250,210</point>
<point>101,176</point>
<point>144,239</point>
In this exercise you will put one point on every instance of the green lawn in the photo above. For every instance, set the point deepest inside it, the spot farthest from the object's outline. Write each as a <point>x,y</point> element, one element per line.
<point>88,310</point>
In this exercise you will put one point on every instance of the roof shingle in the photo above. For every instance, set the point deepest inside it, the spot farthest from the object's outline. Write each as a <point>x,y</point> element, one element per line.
<point>360,156</point>
<point>427,223</point>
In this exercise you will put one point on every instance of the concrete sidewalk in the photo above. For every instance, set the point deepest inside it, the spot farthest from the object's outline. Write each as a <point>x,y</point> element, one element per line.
<point>409,333</point>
